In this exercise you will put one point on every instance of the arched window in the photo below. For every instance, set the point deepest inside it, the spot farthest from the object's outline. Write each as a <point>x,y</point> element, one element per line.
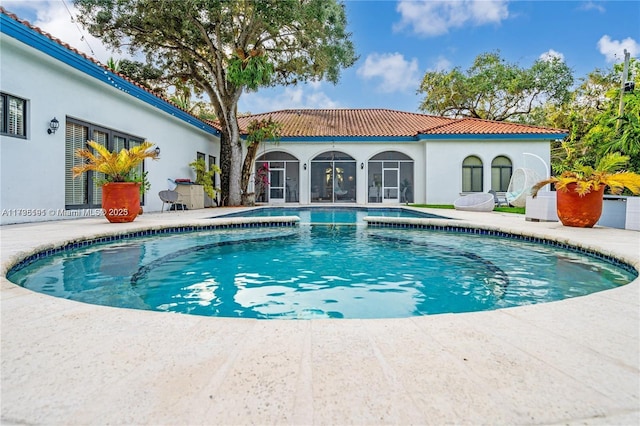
<point>276,177</point>
<point>501,169</point>
<point>390,178</point>
<point>333,178</point>
<point>472,174</point>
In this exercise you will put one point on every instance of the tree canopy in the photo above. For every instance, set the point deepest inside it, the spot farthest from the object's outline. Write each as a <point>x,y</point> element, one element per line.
<point>221,48</point>
<point>493,89</point>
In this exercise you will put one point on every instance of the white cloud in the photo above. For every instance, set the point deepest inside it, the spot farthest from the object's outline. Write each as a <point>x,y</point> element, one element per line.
<point>58,19</point>
<point>590,5</point>
<point>432,18</point>
<point>307,96</point>
<point>613,50</point>
<point>550,54</point>
<point>396,73</point>
<point>441,64</point>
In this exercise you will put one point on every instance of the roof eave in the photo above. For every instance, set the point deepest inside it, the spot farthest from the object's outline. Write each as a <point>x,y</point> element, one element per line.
<point>541,136</point>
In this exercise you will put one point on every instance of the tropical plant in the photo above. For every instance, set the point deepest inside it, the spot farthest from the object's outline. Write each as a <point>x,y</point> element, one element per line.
<point>122,166</point>
<point>206,176</point>
<point>608,172</point>
<point>261,180</point>
<point>257,131</point>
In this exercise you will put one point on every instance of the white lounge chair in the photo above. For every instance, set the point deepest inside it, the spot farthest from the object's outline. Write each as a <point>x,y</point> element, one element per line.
<point>481,202</point>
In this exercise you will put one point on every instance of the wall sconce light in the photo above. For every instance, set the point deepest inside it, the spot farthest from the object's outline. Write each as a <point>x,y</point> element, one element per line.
<point>362,166</point>
<point>157,150</point>
<point>53,126</point>
<point>304,166</point>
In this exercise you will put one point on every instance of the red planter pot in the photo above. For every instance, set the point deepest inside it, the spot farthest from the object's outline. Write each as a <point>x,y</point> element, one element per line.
<point>579,211</point>
<point>121,201</point>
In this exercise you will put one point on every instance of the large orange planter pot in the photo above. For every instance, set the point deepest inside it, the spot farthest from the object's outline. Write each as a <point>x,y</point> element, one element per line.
<point>121,201</point>
<point>579,211</point>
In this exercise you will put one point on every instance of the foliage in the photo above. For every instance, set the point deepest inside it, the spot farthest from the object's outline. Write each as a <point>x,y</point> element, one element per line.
<point>251,70</point>
<point>120,166</point>
<point>261,179</point>
<point>612,131</point>
<point>592,119</point>
<point>493,89</point>
<point>263,130</point>
<point>257,132</point>
<point>113,64</point>
<point>516,210</point>
<point>206,176</point>
<point>200,109</point>
<point>608,172</point>
<point>197,42</point>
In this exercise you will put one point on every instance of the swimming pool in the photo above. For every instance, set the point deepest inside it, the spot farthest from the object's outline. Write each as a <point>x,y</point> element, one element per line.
<point>350,215</point>
<point>319,271</point>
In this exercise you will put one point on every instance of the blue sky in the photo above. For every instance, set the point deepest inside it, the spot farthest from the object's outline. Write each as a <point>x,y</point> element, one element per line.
<point>398,41</point>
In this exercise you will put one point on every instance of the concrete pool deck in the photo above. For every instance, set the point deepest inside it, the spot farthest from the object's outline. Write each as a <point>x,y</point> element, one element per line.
<point>574,361</point>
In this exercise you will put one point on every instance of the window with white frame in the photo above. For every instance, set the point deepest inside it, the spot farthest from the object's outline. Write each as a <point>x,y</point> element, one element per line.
<point>501,169</point>
<point>13,116</point>
<point>472,174</point>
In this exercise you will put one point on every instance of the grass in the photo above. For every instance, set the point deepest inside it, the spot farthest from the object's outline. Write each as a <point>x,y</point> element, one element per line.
<point>516,210</point>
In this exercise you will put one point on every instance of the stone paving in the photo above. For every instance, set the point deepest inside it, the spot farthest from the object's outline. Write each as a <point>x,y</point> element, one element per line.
<point>575,361</point>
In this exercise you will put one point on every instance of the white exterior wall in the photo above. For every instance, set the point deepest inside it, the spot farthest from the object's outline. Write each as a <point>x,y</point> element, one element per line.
<point>444,163</point>
<point>360,151</point>
<point>33,170</point>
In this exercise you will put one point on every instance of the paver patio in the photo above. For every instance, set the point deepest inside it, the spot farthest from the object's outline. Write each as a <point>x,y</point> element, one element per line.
<point>575,361</point>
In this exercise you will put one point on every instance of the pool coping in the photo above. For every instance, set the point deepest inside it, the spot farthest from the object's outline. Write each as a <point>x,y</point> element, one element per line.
<point>572,361</point>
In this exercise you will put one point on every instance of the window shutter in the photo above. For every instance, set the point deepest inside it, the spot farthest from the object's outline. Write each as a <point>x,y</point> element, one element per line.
<point>75,138</point>
<point>102,138</point>
<point>3,126</point>
<point>16,116</point>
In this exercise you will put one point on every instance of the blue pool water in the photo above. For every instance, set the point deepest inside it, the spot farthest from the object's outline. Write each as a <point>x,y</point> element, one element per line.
<point>332,214</point>
<point>319,271</point>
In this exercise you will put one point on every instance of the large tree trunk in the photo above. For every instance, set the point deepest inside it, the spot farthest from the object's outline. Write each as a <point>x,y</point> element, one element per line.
<point>231,154</point>
<point>231,162</point>
<point>247,166</point>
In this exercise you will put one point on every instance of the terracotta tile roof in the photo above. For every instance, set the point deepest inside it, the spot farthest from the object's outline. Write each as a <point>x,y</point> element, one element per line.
<point>347,122</point>
<point>383,123</point>
<point>487,127</point>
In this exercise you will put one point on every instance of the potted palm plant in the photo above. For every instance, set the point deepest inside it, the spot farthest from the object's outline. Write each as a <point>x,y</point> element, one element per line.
<point>122,183</point>
<point>580,189</point>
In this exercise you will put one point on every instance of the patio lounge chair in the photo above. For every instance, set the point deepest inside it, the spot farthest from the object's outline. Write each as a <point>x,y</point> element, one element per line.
<point>480,202</point>
<point>171,198</point>
<point>497,200</point>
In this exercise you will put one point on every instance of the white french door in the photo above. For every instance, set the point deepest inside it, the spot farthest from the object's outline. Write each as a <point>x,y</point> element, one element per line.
<point>276,186</point>
<point>390,184</point>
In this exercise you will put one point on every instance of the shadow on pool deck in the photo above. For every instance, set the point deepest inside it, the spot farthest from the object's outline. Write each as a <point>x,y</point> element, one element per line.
<point>570,362</point>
